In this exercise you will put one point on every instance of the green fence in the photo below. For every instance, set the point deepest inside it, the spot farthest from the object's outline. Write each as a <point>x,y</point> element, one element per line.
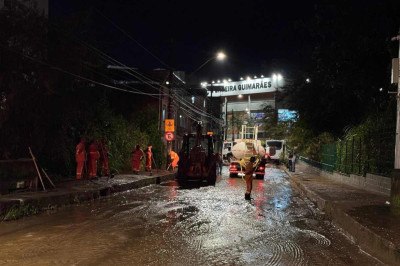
<point>359,155</point>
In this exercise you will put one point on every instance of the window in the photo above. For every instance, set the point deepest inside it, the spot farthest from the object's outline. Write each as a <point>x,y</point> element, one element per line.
<point>277,144</point>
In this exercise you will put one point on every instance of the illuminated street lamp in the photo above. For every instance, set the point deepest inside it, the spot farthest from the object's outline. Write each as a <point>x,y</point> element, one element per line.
<point>220,56</point>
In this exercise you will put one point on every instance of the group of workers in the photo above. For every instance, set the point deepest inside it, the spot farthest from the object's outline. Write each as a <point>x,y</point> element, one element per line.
<point>88,158</point>
<point>137,156</point>
<point>89,155</point>
<point>98,153</point>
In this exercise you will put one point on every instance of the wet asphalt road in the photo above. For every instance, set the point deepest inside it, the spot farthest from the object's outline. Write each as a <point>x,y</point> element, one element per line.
<point>170,225</point>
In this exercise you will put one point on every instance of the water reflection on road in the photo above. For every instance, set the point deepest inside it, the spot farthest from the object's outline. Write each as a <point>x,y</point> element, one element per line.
<point>190,225</point>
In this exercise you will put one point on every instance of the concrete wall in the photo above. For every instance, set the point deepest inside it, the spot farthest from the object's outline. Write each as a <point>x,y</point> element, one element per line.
<point>373,183</point>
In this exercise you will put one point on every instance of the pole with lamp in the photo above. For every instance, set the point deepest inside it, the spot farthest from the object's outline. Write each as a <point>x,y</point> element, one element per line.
<point>395,186</point>
<point>220,56</point>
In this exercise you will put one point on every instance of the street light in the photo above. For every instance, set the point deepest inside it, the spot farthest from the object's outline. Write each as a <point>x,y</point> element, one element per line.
<point>220,56</point>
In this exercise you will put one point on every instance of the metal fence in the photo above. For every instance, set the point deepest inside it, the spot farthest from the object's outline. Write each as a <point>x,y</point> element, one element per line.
<point>359,155</point>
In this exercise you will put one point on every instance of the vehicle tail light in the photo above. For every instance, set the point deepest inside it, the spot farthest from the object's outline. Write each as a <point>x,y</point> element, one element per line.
<point>261,168</point>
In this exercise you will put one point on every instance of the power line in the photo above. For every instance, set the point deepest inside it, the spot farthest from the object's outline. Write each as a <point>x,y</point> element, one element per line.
<point>130,37</point>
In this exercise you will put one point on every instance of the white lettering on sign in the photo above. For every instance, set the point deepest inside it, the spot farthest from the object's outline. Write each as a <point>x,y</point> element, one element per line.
<point>245,87</point>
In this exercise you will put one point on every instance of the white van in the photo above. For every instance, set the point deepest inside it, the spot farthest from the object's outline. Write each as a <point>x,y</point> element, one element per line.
<point>275,149</point>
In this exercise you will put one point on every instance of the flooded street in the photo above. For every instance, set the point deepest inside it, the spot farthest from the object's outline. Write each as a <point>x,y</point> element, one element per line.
<point>169,225</point>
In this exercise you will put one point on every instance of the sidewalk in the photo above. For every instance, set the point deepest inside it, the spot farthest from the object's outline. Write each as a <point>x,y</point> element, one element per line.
<point>74,191</point>
<point>362,215</point>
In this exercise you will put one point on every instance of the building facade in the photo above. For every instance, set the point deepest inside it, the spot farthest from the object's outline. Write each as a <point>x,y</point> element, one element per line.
<point>243,103</point>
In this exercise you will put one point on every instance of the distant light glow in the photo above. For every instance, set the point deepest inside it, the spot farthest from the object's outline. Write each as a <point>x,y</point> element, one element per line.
<point>240,96</point>
<point>213,81</point>
<point>262,76</point>
<point>229,80</point>
<point>225,81</point>
<point>218,81</point>
<point>279,77</point>
<point>221,56</point>
<point>248,78</point>
<point>308,80</point>
<point>241,78</point>
<point>167,82</point>
<point>255,77</point>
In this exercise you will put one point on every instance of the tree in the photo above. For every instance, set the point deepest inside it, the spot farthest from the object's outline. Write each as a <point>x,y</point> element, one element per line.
<point>349,64</point>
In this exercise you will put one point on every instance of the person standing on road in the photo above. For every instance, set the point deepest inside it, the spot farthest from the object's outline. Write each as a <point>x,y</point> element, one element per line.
<point>137,156</point>
<point>290,161</point>
<point>294,162</point>
<point>149,158</point>
<point>94,156</point>
<point>218,158</point>
<point>80,157</point>
<point>249,170</point>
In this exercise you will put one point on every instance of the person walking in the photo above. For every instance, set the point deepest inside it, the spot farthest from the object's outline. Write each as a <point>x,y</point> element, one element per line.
<point>137,156</point>
<point>149,158</point>
<point>249,170</point>
<point>94,156</point>
<point>80,157</point>
<point>104,158</point>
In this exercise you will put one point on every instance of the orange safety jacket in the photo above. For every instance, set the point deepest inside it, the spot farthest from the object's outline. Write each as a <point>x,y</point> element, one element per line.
<point>80,154</point>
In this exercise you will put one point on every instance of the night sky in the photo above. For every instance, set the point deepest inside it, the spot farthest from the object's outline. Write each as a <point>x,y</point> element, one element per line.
<point>259,37</point>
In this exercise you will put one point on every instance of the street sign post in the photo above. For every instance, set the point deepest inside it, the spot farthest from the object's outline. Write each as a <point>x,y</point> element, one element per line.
<point>169,136</point>
<point>169,125</point>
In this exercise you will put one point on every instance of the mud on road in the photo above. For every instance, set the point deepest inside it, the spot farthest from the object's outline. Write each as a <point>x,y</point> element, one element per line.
<point>192,225</point>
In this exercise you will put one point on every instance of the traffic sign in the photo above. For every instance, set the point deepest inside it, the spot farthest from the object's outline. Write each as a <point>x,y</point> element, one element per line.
<point>169,125</point>
<point>169,136</point>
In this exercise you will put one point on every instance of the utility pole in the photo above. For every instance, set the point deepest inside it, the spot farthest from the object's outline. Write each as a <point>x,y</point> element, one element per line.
<point>233,130</point>
<point>169,106</point>
<point>395,188</point>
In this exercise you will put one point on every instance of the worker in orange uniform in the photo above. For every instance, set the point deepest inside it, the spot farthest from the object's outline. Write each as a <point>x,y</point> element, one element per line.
<point>249,170</point>
<point>94,156</point>
<point>104,159</point>
<point>137,156</point>
<point>149,158</point>
<point>80,157</point>
<point>174,159</point>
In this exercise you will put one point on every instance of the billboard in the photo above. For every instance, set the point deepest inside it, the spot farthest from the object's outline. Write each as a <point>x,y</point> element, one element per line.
<point>286,115</point>
<point>260,85</point>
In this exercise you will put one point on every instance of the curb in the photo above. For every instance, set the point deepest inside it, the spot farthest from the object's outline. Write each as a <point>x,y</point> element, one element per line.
<point>47,201</point>
<point>372,243</point>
